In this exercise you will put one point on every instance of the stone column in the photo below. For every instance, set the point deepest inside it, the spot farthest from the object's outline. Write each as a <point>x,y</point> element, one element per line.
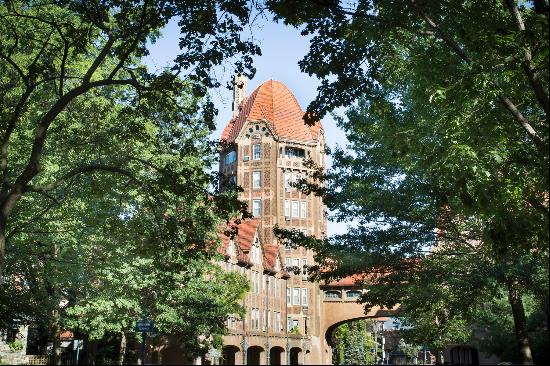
<point>244,346</point>
<point>267,349</point>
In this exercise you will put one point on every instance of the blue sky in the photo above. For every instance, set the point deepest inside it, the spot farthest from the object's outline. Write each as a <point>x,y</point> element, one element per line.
<point>282,48</point>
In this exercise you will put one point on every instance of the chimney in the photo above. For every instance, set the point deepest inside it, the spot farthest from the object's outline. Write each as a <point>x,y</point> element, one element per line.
<point>239,92</point>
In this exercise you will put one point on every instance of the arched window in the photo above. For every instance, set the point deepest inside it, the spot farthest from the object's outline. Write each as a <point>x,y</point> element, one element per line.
<point>353,294</point>
<point>333,294</point>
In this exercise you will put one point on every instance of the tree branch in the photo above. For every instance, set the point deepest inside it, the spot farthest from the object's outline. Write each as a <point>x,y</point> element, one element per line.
<point>528,66</point>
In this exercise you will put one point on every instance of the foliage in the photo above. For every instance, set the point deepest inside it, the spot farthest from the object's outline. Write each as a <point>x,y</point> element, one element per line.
<point>446,172</point>
<point>16,345</point>
<point>353,344</point>
<point>495,328</point>
<point>107,208</point>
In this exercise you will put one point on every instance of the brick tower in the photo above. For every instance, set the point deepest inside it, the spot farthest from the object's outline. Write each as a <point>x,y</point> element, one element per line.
<point>266,143</point>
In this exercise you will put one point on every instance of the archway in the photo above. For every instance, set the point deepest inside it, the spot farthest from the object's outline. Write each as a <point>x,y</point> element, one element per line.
<point>295,353</point>
<point>464,355</point>
<point>275,355</point>
<point>229,355</point>
<point>254,355</point>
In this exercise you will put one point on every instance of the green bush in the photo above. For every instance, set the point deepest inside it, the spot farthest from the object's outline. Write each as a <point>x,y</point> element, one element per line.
<point>16,345</point>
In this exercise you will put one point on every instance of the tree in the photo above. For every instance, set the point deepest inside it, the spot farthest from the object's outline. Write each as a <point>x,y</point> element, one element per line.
<point>107,208</point>
<point>449,132</point>
<point>56,53</point>
<point>353,344</point>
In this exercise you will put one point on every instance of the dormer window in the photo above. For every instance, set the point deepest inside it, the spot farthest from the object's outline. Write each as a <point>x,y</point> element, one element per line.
<point>231,248</point>
<point>256,252</point>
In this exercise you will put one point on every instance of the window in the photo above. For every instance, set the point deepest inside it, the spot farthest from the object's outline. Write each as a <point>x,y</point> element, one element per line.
<point>296,296</point>
<point>333,295</point>
<point>304,268</point>
<point>256,322</point>
<point>295,325</point>
<point>230,157</point>
<point>257,208</point>
<point>287,263</point>
<point>287,208</point>
<point>304,296</point>
<point>268,320</point>
<point>295,211</point>
<point>303,209</point>
<point>294,180</point>
<point>294,152</point>
<point>256,152</point>
<point>256,179</point>
<point>233,179</point>
<point>353,294</point>
<point>288,324</point>
<point>296,263</point>
<point>288,295</point>
<point>277,324</point>
<point>288,177</point>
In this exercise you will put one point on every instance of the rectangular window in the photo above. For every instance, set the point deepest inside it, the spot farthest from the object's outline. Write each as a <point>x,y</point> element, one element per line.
<point>295,210</point>
<point>295,325</point>
<point>296,263</point>
<point>277,324</point>
<point>257,208</point>
<point>304,296</point>
<point>230,157</point>
<point>304,268</point>
<point>303,209</point>
<point>256,179</point>
<point>287,208</point>
<point>256,151</point>
<point>288,177</point>
<point>288,295</point>
<point>288,324</point>
<point>269,320</point>
<point>296,296</point>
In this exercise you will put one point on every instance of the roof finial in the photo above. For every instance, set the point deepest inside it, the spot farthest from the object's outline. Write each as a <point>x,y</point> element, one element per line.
<point>239,92</point>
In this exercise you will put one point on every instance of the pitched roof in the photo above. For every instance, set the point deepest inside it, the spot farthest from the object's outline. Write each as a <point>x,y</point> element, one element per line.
<point>274,102</point>
<point>270,256</point>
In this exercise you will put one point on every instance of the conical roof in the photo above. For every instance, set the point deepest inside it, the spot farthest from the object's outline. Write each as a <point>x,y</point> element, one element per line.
<point>274,102</point>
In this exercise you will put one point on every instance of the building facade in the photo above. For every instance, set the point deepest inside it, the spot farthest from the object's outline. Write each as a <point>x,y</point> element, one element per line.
<point>266,144</point>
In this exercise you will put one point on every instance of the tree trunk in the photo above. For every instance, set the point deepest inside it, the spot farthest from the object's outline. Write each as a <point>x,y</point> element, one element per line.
<point>520,323</point>
<point>2,249</point>
<point>122,350</point>
<point>56,343</point>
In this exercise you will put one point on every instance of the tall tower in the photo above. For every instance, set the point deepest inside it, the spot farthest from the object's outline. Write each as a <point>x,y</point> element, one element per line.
<point>266,143</point>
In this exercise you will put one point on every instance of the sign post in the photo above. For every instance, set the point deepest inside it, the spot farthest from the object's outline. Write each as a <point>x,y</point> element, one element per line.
<point>144,326</point>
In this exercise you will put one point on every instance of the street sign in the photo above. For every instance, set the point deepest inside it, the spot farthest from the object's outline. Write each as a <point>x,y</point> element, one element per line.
<point>145,326</point>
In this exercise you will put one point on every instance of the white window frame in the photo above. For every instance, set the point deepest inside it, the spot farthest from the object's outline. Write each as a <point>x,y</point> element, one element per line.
<point>288,179</point>
<point>257,179</point>
<point>288,296</point>
<point>296,296</point>
<point>304,296</point>
<point>287,208</point>
<point>295,209</point>
<point>304,268</point>
<point>288,263</point>
<point>257,206</point>
<point>256,151</point>
<point>303,209</point>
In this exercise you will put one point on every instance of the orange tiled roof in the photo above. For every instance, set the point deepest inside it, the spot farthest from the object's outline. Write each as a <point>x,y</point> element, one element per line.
<point>274,102</point>
<point>348,281</point>
<point>270,256</point>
